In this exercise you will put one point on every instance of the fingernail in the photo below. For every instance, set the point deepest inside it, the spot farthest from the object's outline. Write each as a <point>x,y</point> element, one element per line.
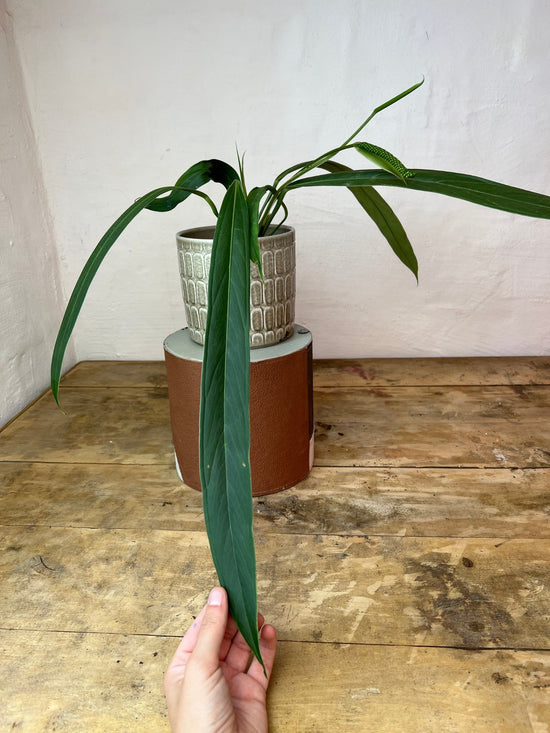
<point>216,597</point>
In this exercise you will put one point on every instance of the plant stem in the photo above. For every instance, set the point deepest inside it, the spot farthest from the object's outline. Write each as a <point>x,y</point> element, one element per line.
<point>383,106</point>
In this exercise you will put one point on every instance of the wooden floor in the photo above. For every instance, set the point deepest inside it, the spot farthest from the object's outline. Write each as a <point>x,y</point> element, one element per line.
<point>408,577</point>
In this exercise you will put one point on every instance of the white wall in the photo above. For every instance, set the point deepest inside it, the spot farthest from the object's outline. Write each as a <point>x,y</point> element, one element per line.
<point>126,94</point>
<point>29,284</point>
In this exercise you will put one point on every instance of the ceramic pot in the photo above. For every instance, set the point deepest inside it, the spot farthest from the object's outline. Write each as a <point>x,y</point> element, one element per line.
<point>271,300</point>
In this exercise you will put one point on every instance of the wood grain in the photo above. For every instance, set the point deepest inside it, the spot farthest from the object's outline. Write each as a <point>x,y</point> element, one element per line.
<point>407,576</point>
<point>377,689</point>
<point>422,372</point>
<point>92,683</point>
<point>361,501</point>
<point>431,372</point>
<point>387,590</point>
<point>120,425</point>
<point>103,374</point>
<point>413,502</point>
<point>97,683</point>
<point>429,426</point>
<point>382,426</point>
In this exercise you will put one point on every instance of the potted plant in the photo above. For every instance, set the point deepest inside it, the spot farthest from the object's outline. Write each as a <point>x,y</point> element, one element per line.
<point>245,216</point>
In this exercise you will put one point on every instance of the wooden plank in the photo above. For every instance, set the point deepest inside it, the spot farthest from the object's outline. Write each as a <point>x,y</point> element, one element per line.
<point>431,371</point>
<point>414,502</point>
<point>83,682</point>
<point>375,613</point>
<point>360,501</point>
<point>430,426</point>
<point>112,426</point>
<point>318,688</point>
<point>115,374</point>
<point>467,593</point>
<point>97,683</point>
<point>344,372</point>
<point>97,496</point>
<point>382,426</point>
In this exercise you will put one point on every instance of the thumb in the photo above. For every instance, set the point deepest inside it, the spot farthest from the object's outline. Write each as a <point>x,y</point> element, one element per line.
<point>213,626</point>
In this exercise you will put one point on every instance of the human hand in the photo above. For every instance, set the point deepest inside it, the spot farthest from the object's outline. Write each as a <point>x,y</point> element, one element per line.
<point>209,686</point>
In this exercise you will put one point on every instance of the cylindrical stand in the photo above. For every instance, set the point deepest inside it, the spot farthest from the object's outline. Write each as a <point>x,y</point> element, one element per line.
<point>281,409</point>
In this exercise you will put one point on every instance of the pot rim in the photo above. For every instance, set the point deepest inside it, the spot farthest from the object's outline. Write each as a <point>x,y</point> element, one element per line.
<point>206,234</point>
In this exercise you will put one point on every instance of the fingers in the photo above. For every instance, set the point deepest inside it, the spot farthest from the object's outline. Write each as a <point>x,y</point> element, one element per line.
<point>268,647</point>
<point>212,629</point>
<point>238,654</point>
<point>230,631</point>
<point>187,644</point>
<point>176,669</point>
<point>213,636</point>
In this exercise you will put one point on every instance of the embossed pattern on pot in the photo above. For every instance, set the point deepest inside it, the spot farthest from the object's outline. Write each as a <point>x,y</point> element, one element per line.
<point>271,300</point>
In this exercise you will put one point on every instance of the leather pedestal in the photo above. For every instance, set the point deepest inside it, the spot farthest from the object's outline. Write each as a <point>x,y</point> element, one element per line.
<point>281,409</point>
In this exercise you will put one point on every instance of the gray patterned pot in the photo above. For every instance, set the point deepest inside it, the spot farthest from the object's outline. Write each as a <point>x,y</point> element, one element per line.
<point>271,300</point>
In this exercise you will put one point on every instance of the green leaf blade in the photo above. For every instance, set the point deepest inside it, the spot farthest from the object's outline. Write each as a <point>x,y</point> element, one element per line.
<point>195,177</point>
<point>483,192</point>
<point>253,203</point>
<point>84,281</point>
<point>384,218</point>
<point>457,185</point>
<point>384,106</point>
<point>224,426</point>
<point>301,169</point>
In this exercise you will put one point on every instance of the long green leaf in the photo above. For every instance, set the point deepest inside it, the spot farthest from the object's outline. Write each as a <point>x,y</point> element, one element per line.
<point>383,106</point>
<point>224,426</point>
<point>458,185</point>
<point>309,165</point>
<point>86,277</point>
<point>195,177</point>
<point>384,218</point>
<point>381,157</point>
<point>253,203</point>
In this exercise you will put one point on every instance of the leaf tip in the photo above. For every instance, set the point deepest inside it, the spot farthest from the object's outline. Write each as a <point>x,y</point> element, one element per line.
<point>55,393</point>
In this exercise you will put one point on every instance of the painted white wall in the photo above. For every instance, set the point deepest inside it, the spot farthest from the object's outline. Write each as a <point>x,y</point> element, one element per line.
<point>126,94</point>
<point>29,283</point>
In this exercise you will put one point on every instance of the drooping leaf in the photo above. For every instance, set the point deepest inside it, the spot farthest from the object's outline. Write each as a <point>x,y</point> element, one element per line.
<point>458,185</point>
<point>384,218</point>
<point>86,277</point>
<point>253,203</point>
<point>483,192</point>
<point>224,426</point>
<point>195,177</point>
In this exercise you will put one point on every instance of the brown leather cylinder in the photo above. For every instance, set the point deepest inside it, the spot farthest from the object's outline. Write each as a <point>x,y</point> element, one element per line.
<point>281,410</point>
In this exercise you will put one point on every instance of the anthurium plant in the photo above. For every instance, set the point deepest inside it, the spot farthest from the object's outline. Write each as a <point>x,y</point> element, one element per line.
<point>224,432</point>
